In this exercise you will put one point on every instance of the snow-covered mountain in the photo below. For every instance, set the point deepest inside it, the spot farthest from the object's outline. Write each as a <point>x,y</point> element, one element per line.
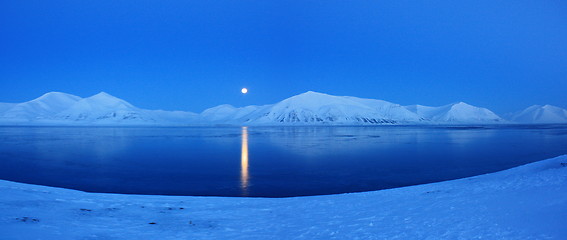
<point>312,108</point>
<point>456,113</point>
<point>229,114</point>
<point>5,107</point>
<point>163,117</point>
<point>541,114</point>
<point>102,108</point>
<point>309,108</point>
<point>40,108</point>
<point>318,108</point>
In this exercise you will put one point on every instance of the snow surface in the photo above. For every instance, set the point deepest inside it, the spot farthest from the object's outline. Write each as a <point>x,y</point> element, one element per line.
<point>527,202</point>
<point>309,108</point>
<point>173,117</point>
<point>5,107</point>
<point>541,114</point>
<point>104,107</point>
<point>101,109</point>
<point>456,113</point>
<point>229,114</point>
<point>319,108</point>
<point>41,107</point>
<point>313,108</point>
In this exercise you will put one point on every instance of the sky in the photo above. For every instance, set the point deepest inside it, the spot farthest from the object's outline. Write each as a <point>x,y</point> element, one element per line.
<point>192,55</point>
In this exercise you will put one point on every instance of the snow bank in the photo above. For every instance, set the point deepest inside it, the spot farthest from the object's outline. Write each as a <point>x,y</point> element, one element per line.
<point>527,202</point>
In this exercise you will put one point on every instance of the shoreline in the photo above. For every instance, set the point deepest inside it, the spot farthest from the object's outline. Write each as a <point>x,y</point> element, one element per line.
<point>493,206</point>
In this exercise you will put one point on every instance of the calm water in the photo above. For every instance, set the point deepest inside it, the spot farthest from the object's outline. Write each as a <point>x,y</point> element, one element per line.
<point>264,161</point>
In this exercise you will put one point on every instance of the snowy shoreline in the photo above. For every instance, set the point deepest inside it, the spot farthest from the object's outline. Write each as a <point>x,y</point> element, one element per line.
<point>526,202</point>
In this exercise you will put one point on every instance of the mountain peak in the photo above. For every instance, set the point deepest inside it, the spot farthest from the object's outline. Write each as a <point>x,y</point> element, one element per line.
<point>57,95</point>
<point>461,104</point>
<point>458,106</point>
<point>105,97</point>
<point>107,100</point>
<point>103,94</point>
<point>41,107</point>
<point>541,114</point>
<point>309,107</point>
<point>53,93</point>
<point>312,93</point>
<point>225,106</point>
<point>222,107</point>
<point>311,99</point>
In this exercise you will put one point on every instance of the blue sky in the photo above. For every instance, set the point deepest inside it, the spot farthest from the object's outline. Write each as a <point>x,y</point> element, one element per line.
<point>191,55</point>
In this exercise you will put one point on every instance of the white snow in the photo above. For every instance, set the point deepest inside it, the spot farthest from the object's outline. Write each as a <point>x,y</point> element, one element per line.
<point>313,108</point>
<point>389,110</point>
<point>104,107</point>
<point>173,117</point>
<point>228,114</point>
<point>456,113</point>
<point>309,108</point>
<point>527,202</point>
<point>101,109</point>
<point>319,108</point>
<point>5,107</point>
<point>41,107</point>
<point>541,114</point>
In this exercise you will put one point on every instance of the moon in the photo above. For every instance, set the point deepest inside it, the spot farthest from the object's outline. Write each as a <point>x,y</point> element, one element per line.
<point>244,90</point>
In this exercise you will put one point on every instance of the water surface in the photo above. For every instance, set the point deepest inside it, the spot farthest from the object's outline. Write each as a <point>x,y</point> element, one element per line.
<point>265,161</point>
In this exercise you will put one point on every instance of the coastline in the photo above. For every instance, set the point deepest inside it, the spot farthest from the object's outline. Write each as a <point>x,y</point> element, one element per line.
<point>526,202</point>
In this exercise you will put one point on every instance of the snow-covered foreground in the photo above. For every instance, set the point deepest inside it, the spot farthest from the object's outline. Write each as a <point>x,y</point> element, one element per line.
<point>527,202</point>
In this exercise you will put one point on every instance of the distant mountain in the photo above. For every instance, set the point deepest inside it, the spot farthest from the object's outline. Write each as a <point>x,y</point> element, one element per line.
<point>309,108</point>
<point>312,108</point>
<point>40,108</point>
<point>456,113</point>
<point>5,107</point>
<point>318,108</point>
<point>162,117</point>
<point>541,114</point>
<point>106,108</point>
<point>102,108</point>
<point>229,114</point>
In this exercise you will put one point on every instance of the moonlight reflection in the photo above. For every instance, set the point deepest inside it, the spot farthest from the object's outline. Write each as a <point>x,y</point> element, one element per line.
<point>244,162</point>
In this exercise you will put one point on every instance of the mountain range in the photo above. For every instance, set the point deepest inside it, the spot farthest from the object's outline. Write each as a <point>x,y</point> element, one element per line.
<point>309,108</point>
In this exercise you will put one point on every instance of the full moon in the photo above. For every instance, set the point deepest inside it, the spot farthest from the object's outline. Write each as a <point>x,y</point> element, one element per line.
<point>244,90</point>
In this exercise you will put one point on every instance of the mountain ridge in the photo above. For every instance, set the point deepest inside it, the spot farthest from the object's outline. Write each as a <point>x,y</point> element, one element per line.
<point>308,108</point>
<point>545,114</point>
<point>41,107</point>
